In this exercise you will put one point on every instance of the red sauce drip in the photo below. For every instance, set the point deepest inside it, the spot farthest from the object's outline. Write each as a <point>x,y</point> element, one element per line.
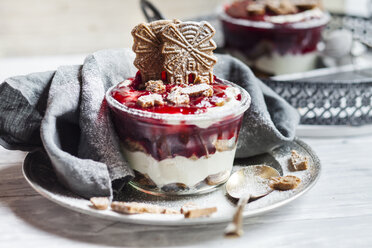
<point>138,77</point>
<point>164,76</point>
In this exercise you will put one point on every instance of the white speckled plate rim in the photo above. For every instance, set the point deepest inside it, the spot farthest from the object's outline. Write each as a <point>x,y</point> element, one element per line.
<point>83,206</point>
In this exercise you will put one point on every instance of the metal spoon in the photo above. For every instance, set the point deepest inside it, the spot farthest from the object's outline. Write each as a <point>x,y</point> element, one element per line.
<point>247,183</point>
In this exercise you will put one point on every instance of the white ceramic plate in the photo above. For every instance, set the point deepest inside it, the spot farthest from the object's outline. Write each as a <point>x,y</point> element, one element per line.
<point>42,178</point>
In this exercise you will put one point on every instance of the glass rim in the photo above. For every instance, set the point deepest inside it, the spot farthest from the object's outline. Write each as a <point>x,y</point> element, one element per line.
<point>245,103</point>
<point>307,24</point>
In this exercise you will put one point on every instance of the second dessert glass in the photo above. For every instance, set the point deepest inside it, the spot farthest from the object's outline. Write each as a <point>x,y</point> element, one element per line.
<point>275,48</point>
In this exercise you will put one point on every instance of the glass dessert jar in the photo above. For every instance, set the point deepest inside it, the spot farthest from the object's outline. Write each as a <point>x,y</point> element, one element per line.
<point>275,44</point>
<point>174,153</point>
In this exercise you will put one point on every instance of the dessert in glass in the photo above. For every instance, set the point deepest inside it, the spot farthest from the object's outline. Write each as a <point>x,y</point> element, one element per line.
<point>275,36</point>
<point>178,124</point>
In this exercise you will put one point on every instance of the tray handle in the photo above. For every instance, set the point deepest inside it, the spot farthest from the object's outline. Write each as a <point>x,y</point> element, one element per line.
<point>150,11</point>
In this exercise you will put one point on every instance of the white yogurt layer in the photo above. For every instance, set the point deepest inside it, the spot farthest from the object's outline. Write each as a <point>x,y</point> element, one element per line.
<point>288,63</point>
<point>188,171</point>
<point>230,102</point>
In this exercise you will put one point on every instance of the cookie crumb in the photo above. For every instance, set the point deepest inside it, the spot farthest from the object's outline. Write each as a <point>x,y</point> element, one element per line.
<point>169,211</point>
<point>281,7</point>
<point>155,86</point>
<point>150,100</point>
<point>187,206</point>
<point>284,183</point>
<point>198,90</point>
<point>218,101</point>
<point>298,162</point>
<point>199,212</point>
<point>191,210</point>
<point>176,97</point>
<point>201,80</point>
<point>100,203</point>
<point>140,208</point>
<point>256,9</point>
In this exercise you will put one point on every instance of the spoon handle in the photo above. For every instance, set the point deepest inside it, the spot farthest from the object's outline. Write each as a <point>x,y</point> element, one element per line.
<point>234,229</point>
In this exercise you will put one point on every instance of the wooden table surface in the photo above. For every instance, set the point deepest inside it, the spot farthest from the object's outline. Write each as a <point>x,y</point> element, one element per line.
<point>337,212</point>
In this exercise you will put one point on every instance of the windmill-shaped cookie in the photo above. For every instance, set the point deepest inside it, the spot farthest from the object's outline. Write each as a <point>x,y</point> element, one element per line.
<point>188,51</point>
<point>147,46</point>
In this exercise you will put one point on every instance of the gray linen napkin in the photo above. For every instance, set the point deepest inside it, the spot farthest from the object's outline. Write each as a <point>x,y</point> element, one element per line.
<point>64,114</point>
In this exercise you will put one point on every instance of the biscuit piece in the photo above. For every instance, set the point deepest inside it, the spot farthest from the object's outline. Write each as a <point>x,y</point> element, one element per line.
<point>170,211</point>
<point>195,212</point>
<point>306,4</point>
<point>284,183</point>
<point>133,145</point>
<point>189,205</point>
<point>188,51</point>
<point>100,203</point>
<point>201,80</point>
<point>256,9</point>
<point>140,208</point>
<point>222,145</point>
<point>299,162</point>
<point>150,101</point>
<point>281,7</point>
<point>155,86</point>
<point>177,98</point>
<point>198,90</point>
<point>219,101</point>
